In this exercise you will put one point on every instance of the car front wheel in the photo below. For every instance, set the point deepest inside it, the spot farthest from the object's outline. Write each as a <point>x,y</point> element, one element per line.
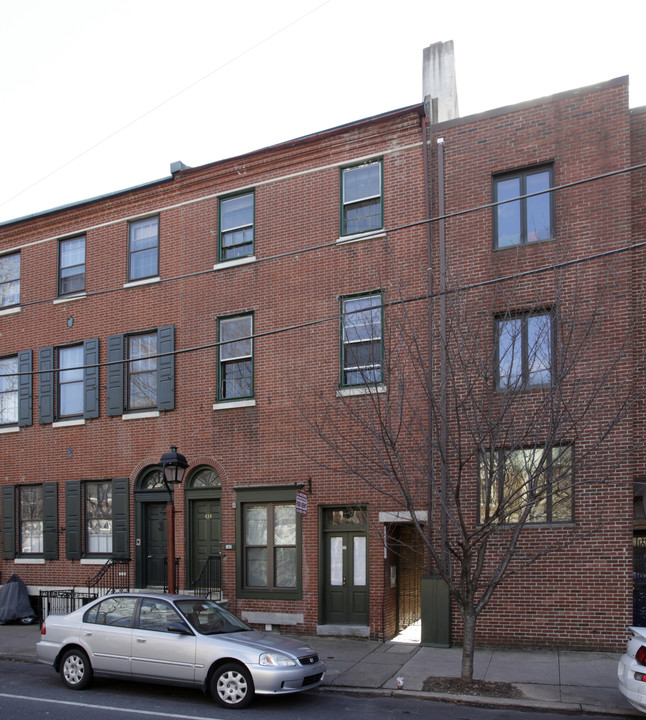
<point>76,671</point>
<point>232,686</point>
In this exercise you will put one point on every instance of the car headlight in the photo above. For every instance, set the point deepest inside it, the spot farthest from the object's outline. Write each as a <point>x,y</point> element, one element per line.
<point>276,660</point>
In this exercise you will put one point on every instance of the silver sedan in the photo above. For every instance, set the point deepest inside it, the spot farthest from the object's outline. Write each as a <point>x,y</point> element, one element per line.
<point>176,639</point>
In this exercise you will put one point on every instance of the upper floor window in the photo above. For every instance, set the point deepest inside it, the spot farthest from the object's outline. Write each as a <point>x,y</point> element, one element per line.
<point>535,483</point>
<point>9,390</point>
<point>30,500</point>
<point>361,198</point>
<point>142,371</point>
<point>235,357</point>
<point>9,280</point>
<point>528,219</point>
<point>236,227</point>
<point>143,249</point>
<point>70,381</point>
<point>524,351</point>
<point>361,333</point>
<point>71,263</point>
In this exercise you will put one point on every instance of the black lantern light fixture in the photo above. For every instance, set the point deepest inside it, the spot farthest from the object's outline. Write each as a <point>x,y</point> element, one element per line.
<point>173,465</point>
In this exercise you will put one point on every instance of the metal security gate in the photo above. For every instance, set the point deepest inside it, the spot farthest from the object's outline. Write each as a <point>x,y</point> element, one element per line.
<point>410,552</point>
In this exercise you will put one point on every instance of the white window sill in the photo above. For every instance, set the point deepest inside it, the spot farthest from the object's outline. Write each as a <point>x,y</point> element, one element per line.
<point>12,429</point>
<point>95,561</point>
<point>359,237</point>
<point>68,423</point>
<point>234,404</point>
<point>141,415</point>
<point>364,390</point>
<point>235,263</point>
<point>29,561</point>
<point>10,311</point>
<point>145,281</point>
<point>70,298</point>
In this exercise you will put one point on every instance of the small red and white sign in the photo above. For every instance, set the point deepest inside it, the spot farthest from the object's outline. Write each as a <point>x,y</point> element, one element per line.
<point>301,502</point>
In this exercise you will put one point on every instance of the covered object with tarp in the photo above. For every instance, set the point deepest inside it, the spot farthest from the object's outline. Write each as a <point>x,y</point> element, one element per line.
<point>14,601</point>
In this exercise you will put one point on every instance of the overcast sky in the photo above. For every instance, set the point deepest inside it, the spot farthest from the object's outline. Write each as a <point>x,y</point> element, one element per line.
<point>102,95</point>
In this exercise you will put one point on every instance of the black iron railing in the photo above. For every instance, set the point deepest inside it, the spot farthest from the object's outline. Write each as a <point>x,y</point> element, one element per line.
<point>112,577</point>
<point>166,574</point>
<point>208,583</point>
<point>61,602</point>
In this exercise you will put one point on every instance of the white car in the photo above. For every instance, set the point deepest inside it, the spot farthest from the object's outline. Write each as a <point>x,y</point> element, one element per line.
<point>632,670</point>
<point>176,639</point>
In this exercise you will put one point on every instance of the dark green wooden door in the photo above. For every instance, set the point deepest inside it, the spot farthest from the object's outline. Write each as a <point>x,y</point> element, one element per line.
<point>206,533</point>
<point>155,548</point>
<point>346,578</point>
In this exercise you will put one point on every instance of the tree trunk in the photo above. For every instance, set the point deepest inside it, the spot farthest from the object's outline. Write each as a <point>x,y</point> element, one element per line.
<point>468,649</point>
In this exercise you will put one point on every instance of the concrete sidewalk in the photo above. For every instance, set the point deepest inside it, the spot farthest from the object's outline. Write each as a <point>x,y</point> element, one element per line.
<point>548,679</point>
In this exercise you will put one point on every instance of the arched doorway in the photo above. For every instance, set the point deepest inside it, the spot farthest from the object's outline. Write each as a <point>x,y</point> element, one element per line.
<point>203,492</point>
<point>151,498</point>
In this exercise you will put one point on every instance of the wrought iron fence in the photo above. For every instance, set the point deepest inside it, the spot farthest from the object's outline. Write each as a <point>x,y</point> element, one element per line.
<point>61,602</point>
<point>208,583</point>
<point>112,577</point>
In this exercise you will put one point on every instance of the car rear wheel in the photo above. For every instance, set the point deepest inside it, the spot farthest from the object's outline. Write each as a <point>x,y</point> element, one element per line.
<point>76,671</point>
<point>232,686</point>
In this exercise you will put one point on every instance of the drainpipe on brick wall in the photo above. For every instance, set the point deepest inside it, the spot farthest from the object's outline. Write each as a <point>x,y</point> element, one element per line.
<point>443,356</point>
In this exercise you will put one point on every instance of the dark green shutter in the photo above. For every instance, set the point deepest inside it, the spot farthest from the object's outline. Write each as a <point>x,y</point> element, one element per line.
<point>115,375</point>
<point>8,522</point>
<point>91,379</point>
<point>46,386</point>
<point>166,373</point>
<point>120,518</point>
<point>50,520</point>
<point>25,385</point>
<point>73,524</point>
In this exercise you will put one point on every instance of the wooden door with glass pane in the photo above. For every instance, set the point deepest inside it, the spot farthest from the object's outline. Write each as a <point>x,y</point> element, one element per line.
<point>346,568</point>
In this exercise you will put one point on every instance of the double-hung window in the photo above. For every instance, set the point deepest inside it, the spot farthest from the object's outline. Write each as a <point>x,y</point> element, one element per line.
<point>9,280</point>
<point>98,517</point>
<point>522,216</point>
<point>236,227</point>
<point>30,500</point>
<point>235,335</point>
<point>525,354</point>
<point>361,198</point>
<point>142,371</point>
<point>71,263</point>
<point>270,546</point>
<point>143,249</point>
<point>361,335</point>
<point>70,381</point>
<point>530,483</point>
<point>9,390</point>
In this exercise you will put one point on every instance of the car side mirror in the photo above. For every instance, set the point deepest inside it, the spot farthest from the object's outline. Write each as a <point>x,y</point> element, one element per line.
<point>179,627</point>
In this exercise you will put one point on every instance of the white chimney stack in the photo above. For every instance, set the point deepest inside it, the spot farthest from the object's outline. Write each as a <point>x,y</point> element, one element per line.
<point>440,90</point>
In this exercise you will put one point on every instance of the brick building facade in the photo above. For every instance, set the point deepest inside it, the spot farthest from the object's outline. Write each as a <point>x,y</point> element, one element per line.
<point>234,309</point>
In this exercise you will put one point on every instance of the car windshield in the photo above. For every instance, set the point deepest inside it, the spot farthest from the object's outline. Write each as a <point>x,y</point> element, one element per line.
<point>209,618</point>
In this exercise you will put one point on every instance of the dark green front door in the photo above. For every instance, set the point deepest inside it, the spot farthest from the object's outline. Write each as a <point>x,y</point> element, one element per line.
<point>346,578</point>
<point>155,548</point>
<point>206,533</point>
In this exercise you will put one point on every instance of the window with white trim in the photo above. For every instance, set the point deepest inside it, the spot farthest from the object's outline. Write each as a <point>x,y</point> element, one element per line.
<point>9,280</point>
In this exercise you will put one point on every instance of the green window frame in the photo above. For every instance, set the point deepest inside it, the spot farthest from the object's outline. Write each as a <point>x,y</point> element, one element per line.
<point>269,543</point>
<point>9,280</point>
<point>362,350</point>
<point>71,265</point>
<point>362,209</point>
<point>235,357</point>
<point>535,478</point>
<point>143,249</point>
<point>236,226</point>
<point>520,220</point>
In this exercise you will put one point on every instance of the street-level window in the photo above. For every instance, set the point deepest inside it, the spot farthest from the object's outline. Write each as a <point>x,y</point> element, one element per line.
<point>523,216</point>
<point>535,483</point>
<point>98,517</point>
<point>361,198</point>
<point>9,280</point>
<point>236,227</point>
<point>9,390</point>
<point>71,264</point>
<point>143,249</point>
<point>30,499</point>
<point>270,545</point>
<point>361,333</point>
<point>70,381</point>
<point>235,357</point>
<point>524,351</point>
<point>142,371</point>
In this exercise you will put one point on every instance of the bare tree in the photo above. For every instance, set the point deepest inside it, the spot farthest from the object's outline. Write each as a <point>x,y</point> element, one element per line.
<point>494,425</point>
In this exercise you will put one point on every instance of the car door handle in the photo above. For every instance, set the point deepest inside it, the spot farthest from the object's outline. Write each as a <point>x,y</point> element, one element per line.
<point>141,640</point>
<point>87,633</point>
